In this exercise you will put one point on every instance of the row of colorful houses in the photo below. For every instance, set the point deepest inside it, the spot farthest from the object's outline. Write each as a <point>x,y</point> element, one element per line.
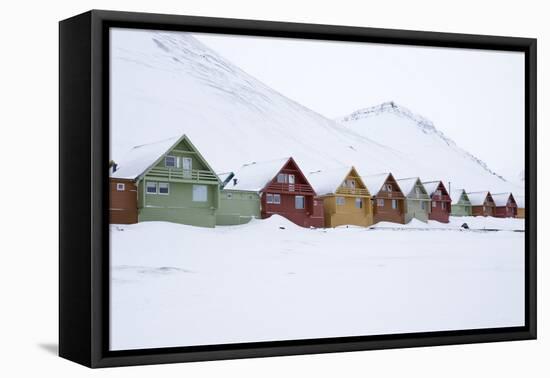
<point>171,181</point>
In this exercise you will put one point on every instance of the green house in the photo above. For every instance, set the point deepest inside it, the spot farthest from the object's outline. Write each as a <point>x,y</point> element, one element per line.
<point>460,203</point>
<point>236,206</point>
<point>417,202</point>
<point>174,183</point>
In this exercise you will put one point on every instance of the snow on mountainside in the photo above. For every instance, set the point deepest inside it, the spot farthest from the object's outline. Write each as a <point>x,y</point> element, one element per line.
<point>164,84</point>
<point>434,155</point>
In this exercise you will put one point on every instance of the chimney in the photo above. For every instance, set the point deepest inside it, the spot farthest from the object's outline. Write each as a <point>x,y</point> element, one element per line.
<point>115,167</point>
<point>235,181</point>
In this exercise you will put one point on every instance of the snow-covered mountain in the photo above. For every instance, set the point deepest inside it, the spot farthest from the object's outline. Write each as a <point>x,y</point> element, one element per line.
<point>165,84</point>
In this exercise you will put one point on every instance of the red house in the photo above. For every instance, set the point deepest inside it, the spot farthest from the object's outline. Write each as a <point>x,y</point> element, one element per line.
<point>388,199</point>
<point>482,203</point>
<point>440,207</point>
<point>505,205</point>
<point>283,189</point>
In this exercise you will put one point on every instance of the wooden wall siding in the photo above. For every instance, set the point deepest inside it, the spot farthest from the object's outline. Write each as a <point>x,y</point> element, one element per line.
<point>347,214</point>
<point>237,207</point>
<point>123,204</point>
<point>386,213</point>
<point>461,210</point>
<point>508,211</point>
<point>414,210</point>
<point>484,211</point>
<point>312,215</point>
<point>520,212</point>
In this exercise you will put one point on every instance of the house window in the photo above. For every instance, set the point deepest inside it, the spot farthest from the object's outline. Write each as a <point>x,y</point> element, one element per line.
<point>358,203</point>
<point>120,187</point>
<point>394,204</point>
<point>164,188</point>
<point>380,202</point>
<point>299,202</point>
<point>350,183</point>
<point>151,187</point>
<point>387,187</point>
<point>269,198</point>
<point>417,191</point>
<point>282,178</point>
<point>437,192</point>
<point>340,201</point>
<point>277,199</point>
<point>170,162</point>
<point>200,193</point>
<point>443,205</point>
<point>434,204</point>
<point>423,205</point>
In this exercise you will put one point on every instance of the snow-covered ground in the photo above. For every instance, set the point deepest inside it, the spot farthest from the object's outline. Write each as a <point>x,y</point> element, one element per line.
<point>176,285</point>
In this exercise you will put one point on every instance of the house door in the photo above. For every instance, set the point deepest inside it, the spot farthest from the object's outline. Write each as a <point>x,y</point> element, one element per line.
<point>291,183</point>
<point>187,167</point>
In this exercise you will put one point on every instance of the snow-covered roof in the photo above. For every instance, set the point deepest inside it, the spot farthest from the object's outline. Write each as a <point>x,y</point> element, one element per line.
<point>328,181</point>
<point>374,182</point>
<point>407,184</point>
<point>254,176</point>
<point>520,201</point>
<point>140,158</point>
<point>501,199</point>
<point>431,186</point>
<point>477,198</point>
<point>456,194</point>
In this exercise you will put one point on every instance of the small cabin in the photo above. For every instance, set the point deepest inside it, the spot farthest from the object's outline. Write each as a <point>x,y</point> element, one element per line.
<point>460,203</point>
<point>440,207</point>
<point>283,189</point>
<point>417,201</point>
<point>482,203</point>
<point>346,198</point>
<point>387,197</point>
<point>505,205</point>
<point>166,181</point>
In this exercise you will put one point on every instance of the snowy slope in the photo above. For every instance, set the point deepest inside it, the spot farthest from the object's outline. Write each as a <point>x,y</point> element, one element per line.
<point>433,155</point>
<point>165,84</point>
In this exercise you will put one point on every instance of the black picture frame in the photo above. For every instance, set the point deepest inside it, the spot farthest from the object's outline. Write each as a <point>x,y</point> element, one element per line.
<point>83,193</point>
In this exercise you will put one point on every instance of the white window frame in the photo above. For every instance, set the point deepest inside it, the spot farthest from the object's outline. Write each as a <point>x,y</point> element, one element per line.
<point>394,204</point>
<point>380,202</point>
<point>269,198</point>
<point>434,204</point>
<point>147,187</point>
<point>167,186</point>
<point>170,157</point>
<point>276,199</point>
<point>195,199</point>
<point>443,205</point>
<point>283,177</point>
<point>340,201</point>
<point>303,202</point>
<point>120,186</point>
<point>358,201</point>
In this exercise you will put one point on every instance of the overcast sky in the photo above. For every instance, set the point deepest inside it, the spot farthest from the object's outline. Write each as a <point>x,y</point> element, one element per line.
<point>475,97</point>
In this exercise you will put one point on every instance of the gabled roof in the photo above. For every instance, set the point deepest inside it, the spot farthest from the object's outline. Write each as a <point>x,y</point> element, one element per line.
<point>407,185</point>
<point>478,198</point>
<point>374,182</point>
<point>254,176</point>
<point>457,194</point>
<point>501,199</point>
<point>143,157</point>
<point>431,186</point>
<point>328,181</point>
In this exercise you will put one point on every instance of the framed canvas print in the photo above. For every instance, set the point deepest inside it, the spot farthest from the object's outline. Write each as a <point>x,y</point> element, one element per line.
<point>234,188</point>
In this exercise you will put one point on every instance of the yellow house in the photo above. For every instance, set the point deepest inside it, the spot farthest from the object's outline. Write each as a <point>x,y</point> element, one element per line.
<point>346,199</point>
